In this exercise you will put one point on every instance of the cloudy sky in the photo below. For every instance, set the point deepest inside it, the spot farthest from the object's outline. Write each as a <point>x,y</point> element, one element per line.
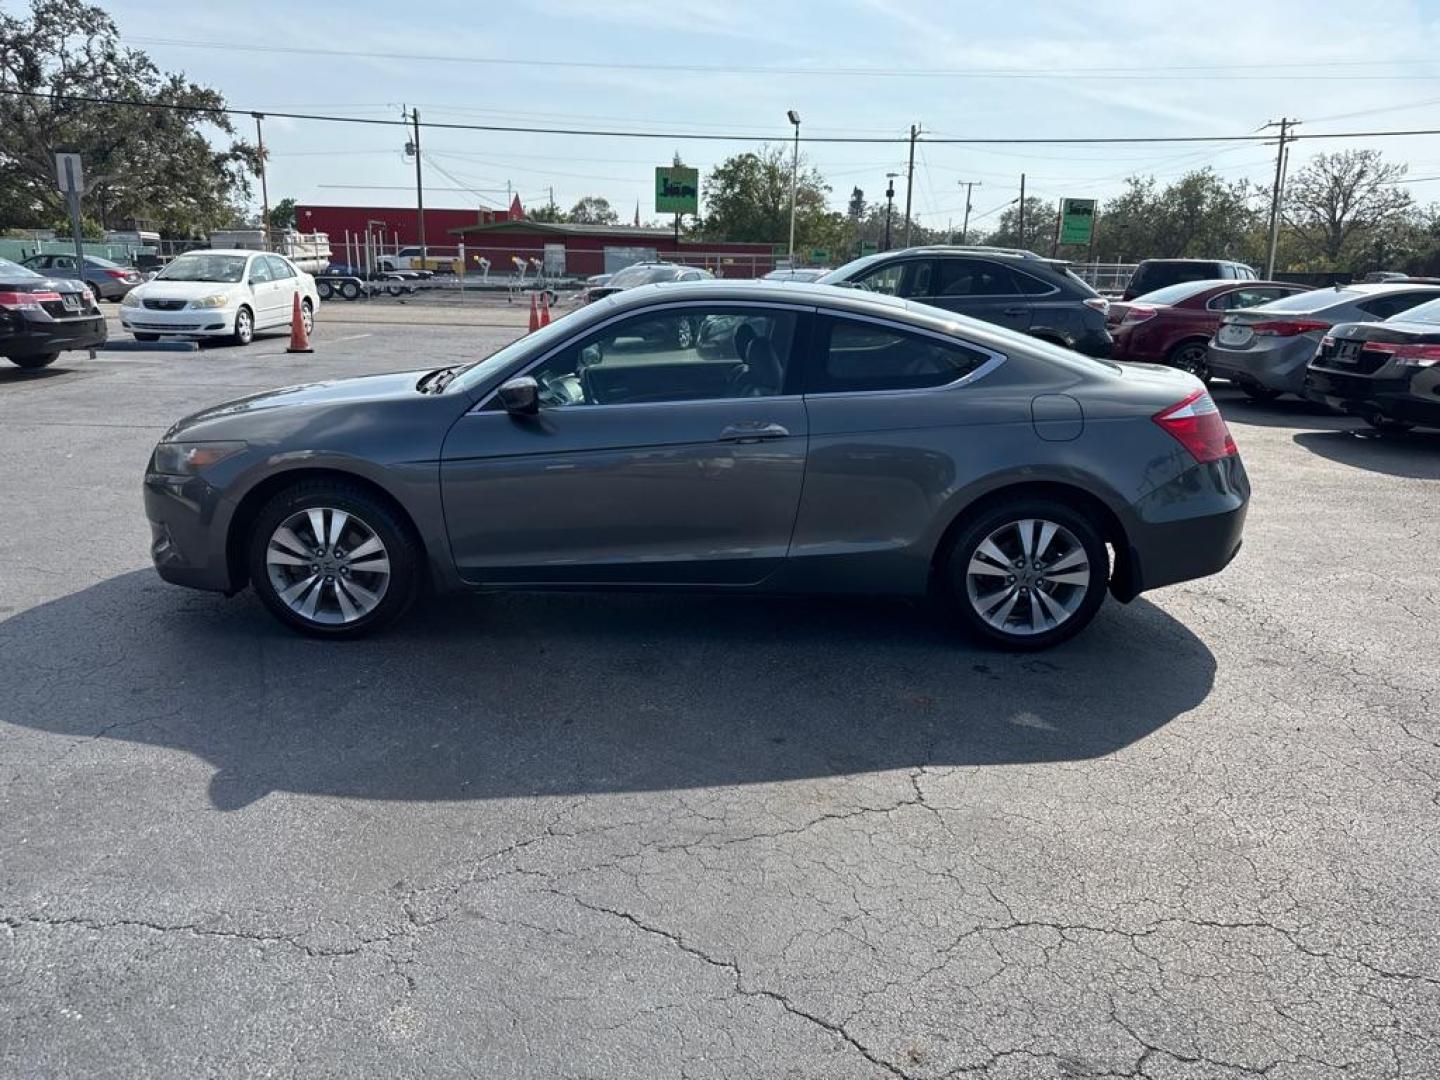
<point>867,68</point>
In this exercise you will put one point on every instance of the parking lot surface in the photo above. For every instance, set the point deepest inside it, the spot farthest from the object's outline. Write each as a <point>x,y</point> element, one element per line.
<point>641,836</point>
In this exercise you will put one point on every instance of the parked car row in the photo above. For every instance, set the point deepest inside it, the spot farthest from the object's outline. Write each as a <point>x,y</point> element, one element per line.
<point>41,316</point>
<point>105,279</point>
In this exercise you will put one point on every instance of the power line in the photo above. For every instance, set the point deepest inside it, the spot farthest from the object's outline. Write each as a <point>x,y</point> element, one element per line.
<point>1325,67</point>
<point>1095,140</point>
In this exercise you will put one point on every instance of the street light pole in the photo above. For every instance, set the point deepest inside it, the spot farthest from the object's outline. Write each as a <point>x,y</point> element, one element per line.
<point>794,177</point>
<point>965,227</point>
<point>889,204</point>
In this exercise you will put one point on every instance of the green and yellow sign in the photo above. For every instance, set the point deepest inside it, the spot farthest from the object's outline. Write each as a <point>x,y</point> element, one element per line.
<point>1077,221</point>
<point>677,190</point>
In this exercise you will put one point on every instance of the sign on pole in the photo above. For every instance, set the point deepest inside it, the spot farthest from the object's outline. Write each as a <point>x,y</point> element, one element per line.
<point>819,256</point>
<point>677,190</point>
<point>1077,221</point>
<point>68,175</point>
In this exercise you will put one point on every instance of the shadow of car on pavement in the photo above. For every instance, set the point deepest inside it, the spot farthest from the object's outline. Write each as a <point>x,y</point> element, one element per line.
<point>478,697</point>
<point>1414,454</point>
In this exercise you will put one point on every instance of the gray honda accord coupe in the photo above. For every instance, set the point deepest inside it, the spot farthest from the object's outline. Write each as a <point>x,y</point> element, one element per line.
<point>809,439</point>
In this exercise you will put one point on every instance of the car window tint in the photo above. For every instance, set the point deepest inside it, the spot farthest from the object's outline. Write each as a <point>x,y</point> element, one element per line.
<point>866,356</point>
<point>62,262</point>
<point>1428,312</point>
<point>680,354</point>
<point>279,268</point>
<point>974,277</point>
<point>884,279</point>
<point>259,270</point>
<point>1245,298</point>
<point>1382,307</point>
<point>1030,285</point>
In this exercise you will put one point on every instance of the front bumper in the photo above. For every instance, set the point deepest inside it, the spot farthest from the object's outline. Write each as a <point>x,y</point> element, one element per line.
<point>209,322</point>
<point>36,337</point>
<point>188,525</point>
<point>1414,398</point>
<point>1279,368</point>
<point>1188,528</point>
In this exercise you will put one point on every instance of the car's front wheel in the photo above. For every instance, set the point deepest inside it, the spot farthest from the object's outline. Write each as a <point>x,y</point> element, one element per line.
<point>307,316</point>
<point>331,559</point>
<point>244,327</point>
<point>1386,425</point>
<point>1028,573</point>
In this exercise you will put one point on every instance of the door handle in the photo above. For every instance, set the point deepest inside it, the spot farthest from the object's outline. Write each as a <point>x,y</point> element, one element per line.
<point>1016,310</point>
<point>753,431</point>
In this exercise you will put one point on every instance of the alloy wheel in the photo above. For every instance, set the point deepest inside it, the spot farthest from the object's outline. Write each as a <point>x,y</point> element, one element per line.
<point>1192,359</point>
<point>1028,577</point>
<point>327,566</point>
<point>307,317</point>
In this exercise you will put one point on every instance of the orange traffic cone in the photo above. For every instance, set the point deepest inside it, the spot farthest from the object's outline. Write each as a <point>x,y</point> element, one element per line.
<point>299,339</point>
<point>544,309</point>
<point>534,315</point>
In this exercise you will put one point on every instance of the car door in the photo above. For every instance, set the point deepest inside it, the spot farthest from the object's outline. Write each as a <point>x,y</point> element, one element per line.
<point>981,289</point>
<point>900,419</point>
<point>262,291</point>
<point>649,462</point>
<point>287,285</point>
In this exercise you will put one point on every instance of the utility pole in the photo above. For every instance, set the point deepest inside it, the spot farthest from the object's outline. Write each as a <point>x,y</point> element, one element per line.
<point>794,117</point>
<point>264,189</point>
<point>1285,124</point>
<point>419,189</point>
<point>889,204</point>
<point>969,186</point>
<point>910,179</point>
<point>1022,209</point>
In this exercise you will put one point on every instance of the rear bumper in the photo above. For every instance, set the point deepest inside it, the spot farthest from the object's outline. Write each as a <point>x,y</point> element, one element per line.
<point>32,337</point>
<point>1415,398</point>
<point>1189,528</point>
<point>1280,369</point>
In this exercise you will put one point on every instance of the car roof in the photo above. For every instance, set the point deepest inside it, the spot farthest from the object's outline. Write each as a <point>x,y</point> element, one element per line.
<point>1216,262</point>
<point>758,290</point>
<point>225,251</point>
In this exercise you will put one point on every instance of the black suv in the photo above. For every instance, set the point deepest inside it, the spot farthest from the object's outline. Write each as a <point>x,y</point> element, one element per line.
<point>1152,274</point>
<point>1015,289</point>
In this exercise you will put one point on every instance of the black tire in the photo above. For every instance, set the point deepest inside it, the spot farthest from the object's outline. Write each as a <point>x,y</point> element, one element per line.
<point>1082,603</point>
<point>350,290</point>
<point>401,549</point>
<point>1191,357</point>
<point>34,361</point>
<point>307,316</point>
<point>94,292</point>
<point>145,337</point>
<point>1260,395</point>
<point>322,288</point>
<point>244,326</point>
<point>1385,424</point>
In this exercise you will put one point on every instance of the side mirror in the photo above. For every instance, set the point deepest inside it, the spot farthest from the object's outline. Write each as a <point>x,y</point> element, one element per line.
<point>521,397</point>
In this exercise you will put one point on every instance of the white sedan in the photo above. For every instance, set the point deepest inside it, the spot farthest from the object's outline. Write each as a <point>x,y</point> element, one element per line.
<point>212,293</point>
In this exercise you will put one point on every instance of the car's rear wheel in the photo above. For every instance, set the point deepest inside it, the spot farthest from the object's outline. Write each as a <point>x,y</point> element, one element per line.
<point>1028,573</point>
<point>333,560</point>
<point>244,327</point>
<point>94,291</point>
<point>34,360</point>
<point>324,290</point>
<point>1257,393</point>
<point>1191,357</point>
<point>307,316</point>
<point>1389,426</point>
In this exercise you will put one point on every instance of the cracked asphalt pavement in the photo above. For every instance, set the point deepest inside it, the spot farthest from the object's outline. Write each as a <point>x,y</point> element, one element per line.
<point>639,836</point>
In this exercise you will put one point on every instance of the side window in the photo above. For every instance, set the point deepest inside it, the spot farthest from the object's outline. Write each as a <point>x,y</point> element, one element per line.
<point>884,279</point>
<point>1382,307</point>
<point>697,353</point>
<point>259,270</point>
<point>279,268</point>
<point>62,262</point>
<point>1246,298</point>
<point>975,277</point>
<point>1031,285</point>
<point>862,356</point>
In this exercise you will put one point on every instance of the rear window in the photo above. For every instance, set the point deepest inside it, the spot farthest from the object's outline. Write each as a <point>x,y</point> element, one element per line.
<point>1428,312</point>
<point>1173,294</point>
<point>1314,301</point>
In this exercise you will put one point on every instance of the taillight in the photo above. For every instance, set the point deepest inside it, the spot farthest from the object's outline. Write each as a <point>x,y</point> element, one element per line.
<point>1099,303</point>
<point>1140,313</point>
<point>1198,426</point>
<point>26,301</point>
<point>1407,355</point>
<point>118,275</point>
<point>1287,327</point>
<point>1327,342</point>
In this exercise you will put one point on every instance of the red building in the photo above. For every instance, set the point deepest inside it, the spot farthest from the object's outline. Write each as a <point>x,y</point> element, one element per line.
<point>391,222</point>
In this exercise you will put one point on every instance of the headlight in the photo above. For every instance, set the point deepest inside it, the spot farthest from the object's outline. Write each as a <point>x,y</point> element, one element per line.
<point>216,301</point>
<point>188,459</point>
<point>130,299</point>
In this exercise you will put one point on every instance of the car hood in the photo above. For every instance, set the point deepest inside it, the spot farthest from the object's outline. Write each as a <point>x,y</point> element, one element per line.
<point>160,289</point>
<point>366,388</point>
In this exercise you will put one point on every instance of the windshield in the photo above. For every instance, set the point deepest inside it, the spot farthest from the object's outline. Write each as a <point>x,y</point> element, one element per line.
<point>1314,301</point>
<point>204,266</point>
<point>477,373</point>
<point>1173,294</point>
<point>641,275</point>
<point>14,271</point>
<point>850,269</point>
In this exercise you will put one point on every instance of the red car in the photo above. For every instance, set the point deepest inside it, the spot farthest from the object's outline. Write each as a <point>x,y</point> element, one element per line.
<point>1173,325</point>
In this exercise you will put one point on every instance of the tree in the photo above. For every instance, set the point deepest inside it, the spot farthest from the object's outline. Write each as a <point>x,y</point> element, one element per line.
<point>1338,202</point>
<point>593,210</point>
<point>153,164</point>
<point>1200,215</point>
<point>747,197</point>
<point>1039,226</point>
<point>546,213</point>
<point>282,214</point>
<point>857,208</point>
